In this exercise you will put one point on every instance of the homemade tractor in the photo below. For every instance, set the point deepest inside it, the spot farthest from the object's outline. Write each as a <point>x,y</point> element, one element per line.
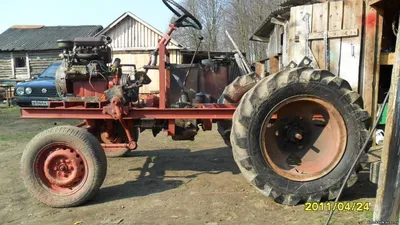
<point>293,134</point>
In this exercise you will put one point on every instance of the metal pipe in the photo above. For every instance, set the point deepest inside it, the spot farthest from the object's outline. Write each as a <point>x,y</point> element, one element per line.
<point>191,63</point>
<point>239,52</point>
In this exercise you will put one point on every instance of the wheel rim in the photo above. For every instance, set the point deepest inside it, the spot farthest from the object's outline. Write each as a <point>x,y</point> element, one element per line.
<point>302,143</point>
<point>61,169</point>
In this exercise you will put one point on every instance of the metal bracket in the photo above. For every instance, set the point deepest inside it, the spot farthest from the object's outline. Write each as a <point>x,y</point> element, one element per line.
<point>291,65</point>
<point>326,44</point>
<point>306,62</point>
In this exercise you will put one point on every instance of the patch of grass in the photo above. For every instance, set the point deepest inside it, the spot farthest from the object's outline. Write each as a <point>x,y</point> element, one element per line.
<point>369,215</point>
<point>15,137</point>
<point>4,144</point>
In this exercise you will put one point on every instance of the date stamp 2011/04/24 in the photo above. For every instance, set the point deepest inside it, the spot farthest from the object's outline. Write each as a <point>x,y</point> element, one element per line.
<point>339,206</point>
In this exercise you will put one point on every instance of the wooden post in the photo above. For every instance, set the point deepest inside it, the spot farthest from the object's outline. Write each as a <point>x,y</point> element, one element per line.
<point>12,65</point>
<point>27,64</point>
<point>260,68</point>
<point>274,64</point>
<point>387,204</point>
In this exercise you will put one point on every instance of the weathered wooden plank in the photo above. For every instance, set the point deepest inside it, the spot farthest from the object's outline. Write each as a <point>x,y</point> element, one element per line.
<point>319,24</point>
<point>387,58</point>
<point>335,23</point>
<point>274,65</point>
<point>291,45</point>
<point>12,64</point>
<point>260,69</point>
<point>387,205</point>
<point>334,33</point>
<point>351,47</point>
<point>297,45</point>
<point>274,44</point>
<point>377,70</point>
<point>43,60</point>
<point>28,65</point>
<point>285,45</point>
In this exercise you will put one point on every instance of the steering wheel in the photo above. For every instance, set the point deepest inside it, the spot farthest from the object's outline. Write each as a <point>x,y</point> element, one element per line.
<point>185,18</point>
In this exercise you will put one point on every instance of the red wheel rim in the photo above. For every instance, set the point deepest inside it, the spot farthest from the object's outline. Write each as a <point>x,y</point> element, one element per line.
<point>61,169</point>
<point>306,141</point>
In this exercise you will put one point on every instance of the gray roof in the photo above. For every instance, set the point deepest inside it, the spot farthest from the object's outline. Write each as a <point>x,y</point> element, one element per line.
<point>277,7</point>
<point>39,38</point>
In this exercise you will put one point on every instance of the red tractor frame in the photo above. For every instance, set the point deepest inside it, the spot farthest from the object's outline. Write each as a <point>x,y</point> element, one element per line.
<point>293,133</point>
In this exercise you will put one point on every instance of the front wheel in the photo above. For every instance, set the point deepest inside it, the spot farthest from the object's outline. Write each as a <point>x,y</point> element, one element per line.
<point>296,133</point>
<point>63,166</point>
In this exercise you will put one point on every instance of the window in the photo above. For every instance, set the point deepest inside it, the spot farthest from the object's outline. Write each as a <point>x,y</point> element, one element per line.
<point>50,72</point>
<point>20,62</point>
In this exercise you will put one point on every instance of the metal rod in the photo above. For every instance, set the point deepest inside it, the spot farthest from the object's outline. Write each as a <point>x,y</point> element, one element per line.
<point>239,52</point>
<point>358,157</point>
<point>191,63</point>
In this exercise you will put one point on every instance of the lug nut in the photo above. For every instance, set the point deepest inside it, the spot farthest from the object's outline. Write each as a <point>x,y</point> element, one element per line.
<point>298,136</point>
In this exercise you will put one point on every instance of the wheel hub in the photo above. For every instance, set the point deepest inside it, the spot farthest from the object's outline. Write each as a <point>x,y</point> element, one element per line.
<point>306,141</point>
<point>63,168</point>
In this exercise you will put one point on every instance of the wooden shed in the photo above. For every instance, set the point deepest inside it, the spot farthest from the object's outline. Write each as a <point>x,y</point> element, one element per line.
<point>28,50</point>
<point>133,40</point>
<point>353,39</point>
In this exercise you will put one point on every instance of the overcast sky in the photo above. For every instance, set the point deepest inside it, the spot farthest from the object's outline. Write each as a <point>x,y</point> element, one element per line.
<point>81,12</point>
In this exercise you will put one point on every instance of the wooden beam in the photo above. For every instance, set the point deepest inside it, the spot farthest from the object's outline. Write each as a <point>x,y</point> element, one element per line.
<point>12,65</point>
<point>374,2</point>
<point>377,70</point>
<point>334,34</point>
<point>273,65</point>
<point>369,58</point>
<point>28,65</point>
<point>335,45</point>
<point>260,69</point>
<point>387,205</point>
<point>387,59</point>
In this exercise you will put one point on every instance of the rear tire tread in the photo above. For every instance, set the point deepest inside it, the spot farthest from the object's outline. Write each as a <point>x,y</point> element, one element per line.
<point>248,104</point>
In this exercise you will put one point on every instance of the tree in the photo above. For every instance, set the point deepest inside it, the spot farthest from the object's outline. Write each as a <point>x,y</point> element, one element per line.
<point>211,14</point>
<point>240,18</point>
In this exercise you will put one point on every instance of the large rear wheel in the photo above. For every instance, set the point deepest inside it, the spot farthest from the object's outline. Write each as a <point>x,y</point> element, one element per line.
<point>296,133</point>
<point>232,94</point>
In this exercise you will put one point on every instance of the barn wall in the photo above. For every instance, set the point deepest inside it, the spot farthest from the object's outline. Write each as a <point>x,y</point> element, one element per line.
<point>141,58</point>
<point>5,66</point>
<point>132,34</point>
<point>39,61</point>
<point>343,21</point>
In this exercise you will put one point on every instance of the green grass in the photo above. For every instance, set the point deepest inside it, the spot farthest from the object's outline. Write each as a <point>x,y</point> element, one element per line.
<point>369,215</point>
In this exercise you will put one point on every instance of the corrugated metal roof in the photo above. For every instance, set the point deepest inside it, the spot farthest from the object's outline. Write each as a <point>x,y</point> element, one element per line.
<point>45,38</point>
<point>278,7</point>
<point>266,27</point>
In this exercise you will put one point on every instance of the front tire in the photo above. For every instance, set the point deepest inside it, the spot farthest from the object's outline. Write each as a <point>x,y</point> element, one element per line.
<point>286,159</point>
<point>63,166</point>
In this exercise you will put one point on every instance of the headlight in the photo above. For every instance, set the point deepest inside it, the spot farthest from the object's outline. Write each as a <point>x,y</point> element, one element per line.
<point>28,90</point>
<point>20,91</point>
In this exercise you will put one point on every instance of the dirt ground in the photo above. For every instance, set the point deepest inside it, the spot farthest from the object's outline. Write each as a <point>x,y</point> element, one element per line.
<point>163,182</point>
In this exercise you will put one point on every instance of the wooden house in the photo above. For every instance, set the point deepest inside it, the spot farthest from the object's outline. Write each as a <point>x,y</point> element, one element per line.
<point>133,40</point>
<point>28,50</point>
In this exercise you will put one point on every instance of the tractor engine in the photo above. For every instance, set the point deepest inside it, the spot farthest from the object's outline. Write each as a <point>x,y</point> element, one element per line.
<point>84,74</point>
